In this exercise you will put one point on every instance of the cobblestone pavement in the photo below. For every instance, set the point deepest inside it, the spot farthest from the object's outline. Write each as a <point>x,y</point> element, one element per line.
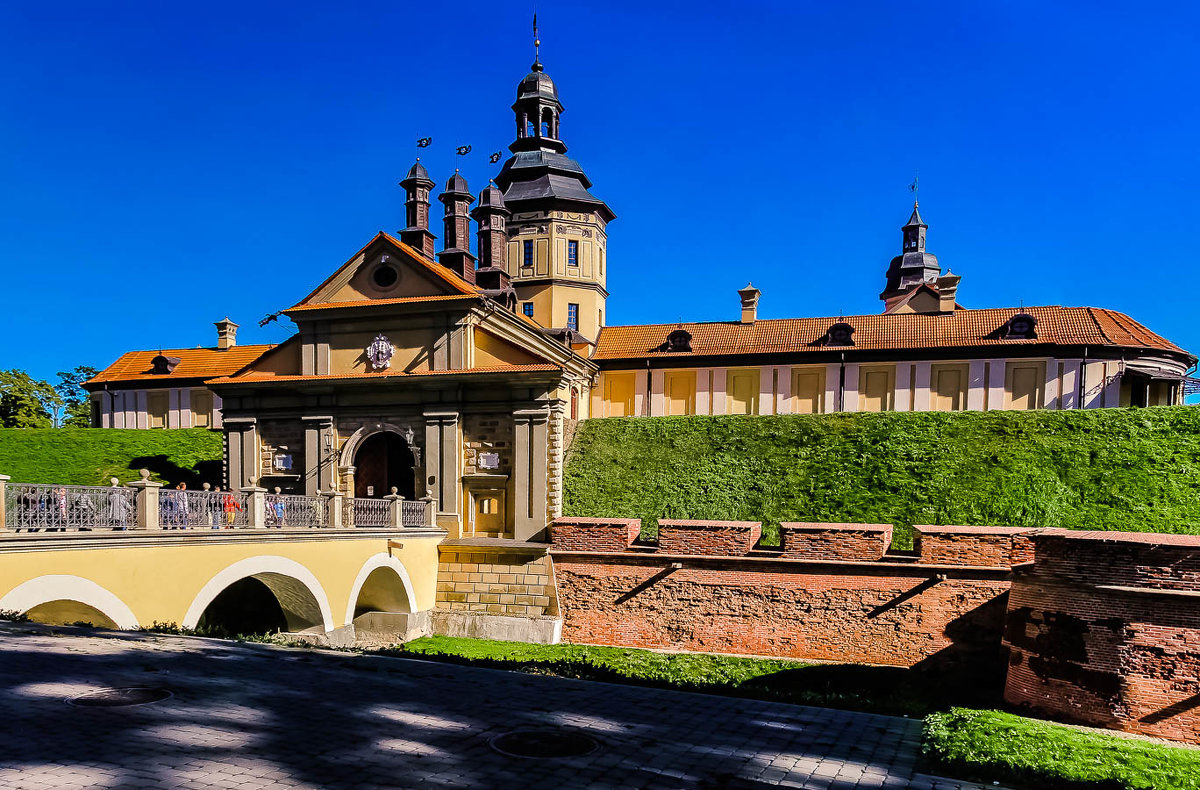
<point>250,716</point>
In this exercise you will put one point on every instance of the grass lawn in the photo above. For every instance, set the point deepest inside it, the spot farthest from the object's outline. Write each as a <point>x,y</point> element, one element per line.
<point>90,456</point>
<point>987,745</point>
<point>891,690</point>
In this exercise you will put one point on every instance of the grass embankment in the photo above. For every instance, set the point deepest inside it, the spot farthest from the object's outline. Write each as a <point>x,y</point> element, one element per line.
<point>90,456</point>
<point>891,690</point>
<point>987,745</point>
<point>1120,469</point>
<point>983,745</point>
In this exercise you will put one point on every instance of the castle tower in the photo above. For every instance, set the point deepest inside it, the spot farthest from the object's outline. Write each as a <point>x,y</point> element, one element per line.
<point>492,245</point>
<point>456,256</point>
<point>557,230</point>
<point>913,267</point>
<point>416,233</point>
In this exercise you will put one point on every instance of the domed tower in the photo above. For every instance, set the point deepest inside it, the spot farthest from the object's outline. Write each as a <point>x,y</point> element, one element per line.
<point>556,253</point>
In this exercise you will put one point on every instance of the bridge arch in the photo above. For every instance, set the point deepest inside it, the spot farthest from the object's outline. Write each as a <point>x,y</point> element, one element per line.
<point>55,588</point>
<point>298,592</point>
<point>382,584</point>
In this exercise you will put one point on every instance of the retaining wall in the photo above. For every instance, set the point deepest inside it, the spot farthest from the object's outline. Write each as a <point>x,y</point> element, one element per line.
<point>1104,629</point>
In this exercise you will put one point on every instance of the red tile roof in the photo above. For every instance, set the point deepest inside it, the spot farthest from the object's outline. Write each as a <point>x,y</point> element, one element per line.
<point>961,329</point>
<point>377,302</point>
<point>194,363</point>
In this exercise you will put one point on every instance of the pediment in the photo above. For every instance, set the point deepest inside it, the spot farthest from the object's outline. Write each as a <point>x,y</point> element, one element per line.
<point>386,269</point>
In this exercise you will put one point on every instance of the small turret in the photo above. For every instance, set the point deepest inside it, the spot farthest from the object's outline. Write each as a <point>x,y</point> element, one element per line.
<point>416,234</point>
<point>912,269</point>
<point>456,255</point>
<point>492,245</point>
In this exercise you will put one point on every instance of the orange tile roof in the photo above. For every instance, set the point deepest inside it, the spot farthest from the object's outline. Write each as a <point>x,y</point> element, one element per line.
<point>376,302</point>
<point>267,378</point>
<point>194,363</point>
<point>912,331</point>
<point>441,272</point>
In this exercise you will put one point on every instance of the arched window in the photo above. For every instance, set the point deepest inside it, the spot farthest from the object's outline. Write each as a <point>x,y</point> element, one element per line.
<point>547,122</point>
<point>574,404</point>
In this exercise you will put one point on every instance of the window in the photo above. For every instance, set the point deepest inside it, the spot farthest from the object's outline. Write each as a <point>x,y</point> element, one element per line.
<point>679,392</point>
<point>618,394</point>
<point>527,308</point>
<point>574,404</point>
<point>599,318</point>
<point>573,253</point>
<point>157,406</point>
<point>385,276</point>
<point>742,392</point>
<point>202,408</point>
<point>808,390</point>
<point>528,250</point>
<point>573,317</point>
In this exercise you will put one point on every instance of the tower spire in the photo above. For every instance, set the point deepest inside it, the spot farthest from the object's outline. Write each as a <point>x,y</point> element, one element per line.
<point>537,43</point>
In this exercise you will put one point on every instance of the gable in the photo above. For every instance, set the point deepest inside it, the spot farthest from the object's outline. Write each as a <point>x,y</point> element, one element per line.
<point>491,350</point>
<point>387,269</point>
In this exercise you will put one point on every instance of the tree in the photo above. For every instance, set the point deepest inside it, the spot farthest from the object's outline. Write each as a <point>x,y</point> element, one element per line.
<point>26,402</point>
<point>76,403</point>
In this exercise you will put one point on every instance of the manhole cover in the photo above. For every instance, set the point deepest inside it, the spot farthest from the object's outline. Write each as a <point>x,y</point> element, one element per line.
<point>546,744</point>
<point>117,698</point>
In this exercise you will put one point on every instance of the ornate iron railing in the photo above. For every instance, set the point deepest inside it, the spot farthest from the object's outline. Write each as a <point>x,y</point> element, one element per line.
<point>363,512</point>
<point>294,510</point>
<point>32,507</point>
<point>203,509</point>
<point>412,512</point>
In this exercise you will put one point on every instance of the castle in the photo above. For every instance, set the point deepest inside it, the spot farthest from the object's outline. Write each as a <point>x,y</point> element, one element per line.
<point>458,375</point>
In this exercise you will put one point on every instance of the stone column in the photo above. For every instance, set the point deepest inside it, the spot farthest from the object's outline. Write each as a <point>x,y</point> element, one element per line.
<point>147,502</point>
<point>555,450</point>
<point>318,463</point>
<point>3,498</point>
<point>241,439</point>
<point>443,458</point>
<point>256,506</point>
<point>333,509</point>
<point>530,472</point>
<point>395,509</point>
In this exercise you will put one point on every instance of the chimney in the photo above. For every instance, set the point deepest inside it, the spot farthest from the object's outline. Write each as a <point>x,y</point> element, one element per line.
<point>456,256</point>
<point>947,286</point>
<point>226,334</point>
<point>749,296</point>
<point>416,210</point>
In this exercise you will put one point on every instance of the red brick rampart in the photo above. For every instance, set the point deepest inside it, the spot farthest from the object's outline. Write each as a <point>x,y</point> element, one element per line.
<point>814,541</point>
<point>721,538</point>
<point>594,534</point>
<point>1104,629</point>
<point>879,613</point>
<point>986,546</point>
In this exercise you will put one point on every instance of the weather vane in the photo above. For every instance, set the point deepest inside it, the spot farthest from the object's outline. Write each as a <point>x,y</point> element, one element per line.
<point>915,187</point>
<point>537,43</point>
<point>494,158</point>
<point>424,142</point>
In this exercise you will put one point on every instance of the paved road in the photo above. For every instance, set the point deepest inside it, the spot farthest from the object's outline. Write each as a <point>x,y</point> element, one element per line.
<point>249,716</point>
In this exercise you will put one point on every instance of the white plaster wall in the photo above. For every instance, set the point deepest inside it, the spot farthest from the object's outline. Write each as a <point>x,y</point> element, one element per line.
<point>995,395</point>
<point>903,386</point>
<point>831,388</point>
<point>718,398</point>
<point>1051,395</point>
<point>850,395</point>
<point>783,397</point>
<point>921,387</point>
<point>657,383</point>
<point>1069,398</point>
<point>976,394</point>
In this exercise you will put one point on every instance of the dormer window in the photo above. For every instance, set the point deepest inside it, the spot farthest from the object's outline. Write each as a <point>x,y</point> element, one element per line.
<point>163,366</point>
<point>1021,326</point>
<point>679,341</point>
<point>840,334</point>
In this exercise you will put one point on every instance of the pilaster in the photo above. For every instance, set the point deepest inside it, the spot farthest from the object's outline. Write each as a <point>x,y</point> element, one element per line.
<point>530,496</point>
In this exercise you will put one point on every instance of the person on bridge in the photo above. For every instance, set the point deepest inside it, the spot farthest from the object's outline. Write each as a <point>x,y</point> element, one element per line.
<point>231,509</point>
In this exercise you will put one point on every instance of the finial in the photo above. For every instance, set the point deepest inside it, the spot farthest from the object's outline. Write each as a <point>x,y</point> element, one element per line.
<point>537,43</point>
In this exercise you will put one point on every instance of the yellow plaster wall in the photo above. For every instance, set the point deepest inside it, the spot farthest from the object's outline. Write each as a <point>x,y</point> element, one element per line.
<point>491,350</point>
<point>159,583</point>
<point>414,280</point>
<point>413,350</point>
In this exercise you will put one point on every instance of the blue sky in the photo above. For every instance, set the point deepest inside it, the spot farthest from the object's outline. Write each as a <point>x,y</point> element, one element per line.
<point>165,164</point>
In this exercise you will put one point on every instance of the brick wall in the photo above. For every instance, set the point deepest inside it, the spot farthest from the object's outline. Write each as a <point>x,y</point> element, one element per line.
<point>495,580</point>
<point>487,433</point>
<point>871,612</point>
<point>724,538</point>
<point>986,546</point>
<point>815,541</point>
<point>1104,629</point>
<point>594,534</point>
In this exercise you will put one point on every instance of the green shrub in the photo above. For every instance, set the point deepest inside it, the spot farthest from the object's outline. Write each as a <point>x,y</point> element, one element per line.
<point>90,456</point>
<point>1116,469</point>
<point>987,745</point>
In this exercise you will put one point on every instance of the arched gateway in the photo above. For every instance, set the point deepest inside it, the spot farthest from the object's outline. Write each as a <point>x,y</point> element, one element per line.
<point>383,459</point>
